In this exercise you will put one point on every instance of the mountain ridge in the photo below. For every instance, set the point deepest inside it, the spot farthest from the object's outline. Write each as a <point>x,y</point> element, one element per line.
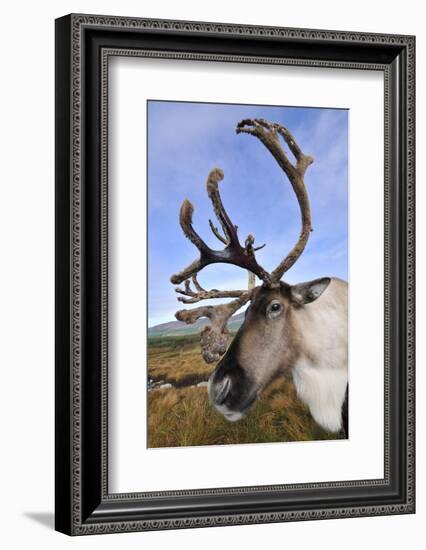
<point>179,328</point>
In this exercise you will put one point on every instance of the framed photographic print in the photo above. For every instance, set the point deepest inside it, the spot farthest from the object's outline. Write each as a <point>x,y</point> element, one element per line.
<point>234,274</point>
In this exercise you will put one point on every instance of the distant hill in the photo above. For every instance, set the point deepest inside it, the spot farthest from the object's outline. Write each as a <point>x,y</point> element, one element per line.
<point>178,328</point>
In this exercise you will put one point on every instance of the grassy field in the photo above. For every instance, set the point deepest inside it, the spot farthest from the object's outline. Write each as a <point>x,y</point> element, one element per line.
<point>177,360</point>
<point>183,416</point>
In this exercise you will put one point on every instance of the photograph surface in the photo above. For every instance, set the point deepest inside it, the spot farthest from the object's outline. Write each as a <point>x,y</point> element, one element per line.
<point>247,274</point>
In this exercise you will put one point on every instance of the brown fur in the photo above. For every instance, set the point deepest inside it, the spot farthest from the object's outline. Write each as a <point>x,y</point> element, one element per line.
<point>260,337</point>
<point>308,332</point>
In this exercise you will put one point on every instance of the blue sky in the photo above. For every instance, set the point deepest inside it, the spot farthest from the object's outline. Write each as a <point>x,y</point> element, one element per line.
<point>187,140</point>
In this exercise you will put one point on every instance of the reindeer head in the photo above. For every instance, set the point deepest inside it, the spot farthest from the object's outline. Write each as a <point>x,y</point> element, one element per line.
<point>267,342</point>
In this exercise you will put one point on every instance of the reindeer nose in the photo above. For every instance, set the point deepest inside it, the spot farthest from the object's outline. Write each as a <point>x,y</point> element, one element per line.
<point>222,390</point>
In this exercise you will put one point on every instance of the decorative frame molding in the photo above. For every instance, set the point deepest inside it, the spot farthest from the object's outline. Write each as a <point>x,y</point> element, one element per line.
<point>84,43</point>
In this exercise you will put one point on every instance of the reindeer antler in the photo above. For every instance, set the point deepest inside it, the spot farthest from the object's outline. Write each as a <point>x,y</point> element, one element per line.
<point>233,253</point>
<point>268,133</point>
<point>214,338</point>
<point>202,294</point>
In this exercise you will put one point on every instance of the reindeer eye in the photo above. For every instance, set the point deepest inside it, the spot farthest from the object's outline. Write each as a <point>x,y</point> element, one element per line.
<point>274,309</point>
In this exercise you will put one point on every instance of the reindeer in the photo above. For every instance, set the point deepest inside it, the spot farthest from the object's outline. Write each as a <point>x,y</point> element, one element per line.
<point>299,329</point>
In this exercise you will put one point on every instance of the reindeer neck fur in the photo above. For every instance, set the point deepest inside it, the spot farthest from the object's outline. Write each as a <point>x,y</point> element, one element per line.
<point>320,372</point>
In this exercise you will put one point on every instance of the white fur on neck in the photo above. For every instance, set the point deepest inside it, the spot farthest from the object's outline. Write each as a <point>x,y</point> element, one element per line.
<point>322,389</point>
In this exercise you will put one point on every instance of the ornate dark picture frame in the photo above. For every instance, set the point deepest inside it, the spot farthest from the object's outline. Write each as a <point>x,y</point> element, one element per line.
<point>84,44</point>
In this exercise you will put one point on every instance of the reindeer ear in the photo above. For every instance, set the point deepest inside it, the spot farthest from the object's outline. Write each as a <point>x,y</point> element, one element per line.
<point>305,293</point>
